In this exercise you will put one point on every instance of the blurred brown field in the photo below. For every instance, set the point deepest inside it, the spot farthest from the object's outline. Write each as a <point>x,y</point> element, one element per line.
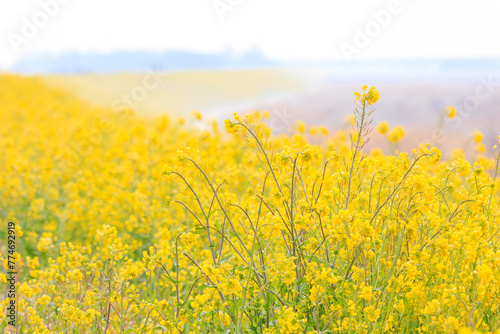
<point>417,105</point>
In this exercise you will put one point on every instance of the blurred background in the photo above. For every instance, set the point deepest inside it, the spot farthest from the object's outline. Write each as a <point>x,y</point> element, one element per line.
<point>296,59</point>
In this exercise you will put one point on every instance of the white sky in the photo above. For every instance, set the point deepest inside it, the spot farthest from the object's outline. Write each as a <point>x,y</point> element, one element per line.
<point>280,29</point>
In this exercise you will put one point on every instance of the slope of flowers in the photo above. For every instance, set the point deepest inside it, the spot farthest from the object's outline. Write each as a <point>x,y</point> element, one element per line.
<point>132,225</point>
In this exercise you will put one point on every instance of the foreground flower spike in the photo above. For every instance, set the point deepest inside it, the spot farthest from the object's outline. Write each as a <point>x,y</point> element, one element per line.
<point>360,131</point>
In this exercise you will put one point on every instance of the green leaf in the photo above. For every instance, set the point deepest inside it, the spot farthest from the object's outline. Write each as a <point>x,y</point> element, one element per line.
<point>171,279</point>
<point>161,327</point>
<point>226,258</point>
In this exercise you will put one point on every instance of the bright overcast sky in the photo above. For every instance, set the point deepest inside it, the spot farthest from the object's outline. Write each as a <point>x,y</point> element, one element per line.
<point>280,29</point>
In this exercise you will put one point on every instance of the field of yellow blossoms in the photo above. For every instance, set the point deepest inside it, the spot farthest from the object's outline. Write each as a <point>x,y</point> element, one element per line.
<point>136,225</point>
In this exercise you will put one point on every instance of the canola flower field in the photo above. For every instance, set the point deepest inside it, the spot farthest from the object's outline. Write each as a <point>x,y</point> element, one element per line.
<point>136,225</point>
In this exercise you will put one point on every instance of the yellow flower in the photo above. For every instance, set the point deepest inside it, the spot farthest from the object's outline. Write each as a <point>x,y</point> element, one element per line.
<point>197,115</point>
<point>230,126</point>
<point>301,126</point>
<point>44,300</point>
<point>371,313</point>
<point>351,119</point>
<point>313,130</point>
<point>397,133</point>
<point>323,130</point>
<point>45,242</point>
<point>366,293</point>
<point>485,273</point>
<point>452,111</point>
<point>189,239</point>
<point>383,127</point>
<point>371,97</point>
<point>457,153</point>
<point>477,136</point>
